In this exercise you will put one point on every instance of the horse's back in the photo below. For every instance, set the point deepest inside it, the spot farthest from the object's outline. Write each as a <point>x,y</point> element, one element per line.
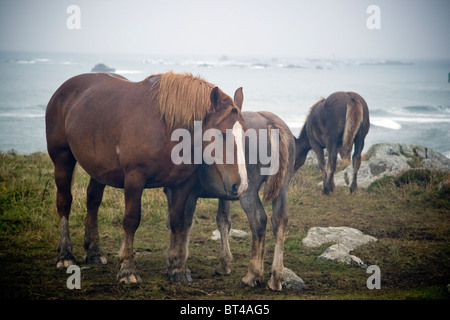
<point>99,118</point>
<point>268,120</point>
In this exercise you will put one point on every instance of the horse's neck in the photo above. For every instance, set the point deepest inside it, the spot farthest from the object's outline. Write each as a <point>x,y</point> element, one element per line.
<point>302,147</point>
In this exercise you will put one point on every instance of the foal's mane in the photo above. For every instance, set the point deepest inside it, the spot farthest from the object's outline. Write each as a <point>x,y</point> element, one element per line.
<point>182,99</point>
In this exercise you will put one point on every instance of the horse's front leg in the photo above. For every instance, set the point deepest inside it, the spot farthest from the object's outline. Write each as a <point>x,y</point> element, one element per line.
<point>181,212</point>
<point>321,159</point>
<point>257,219</point>
<point>224,224</point>
<point>134,186</point>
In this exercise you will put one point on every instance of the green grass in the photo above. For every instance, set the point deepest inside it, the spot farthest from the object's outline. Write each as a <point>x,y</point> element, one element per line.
<point>409,215</point>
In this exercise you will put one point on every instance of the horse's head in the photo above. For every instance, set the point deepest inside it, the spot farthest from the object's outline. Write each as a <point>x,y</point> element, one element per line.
<point>224,155</point>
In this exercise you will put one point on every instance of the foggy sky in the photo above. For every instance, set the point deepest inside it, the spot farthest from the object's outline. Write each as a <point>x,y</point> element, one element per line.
<point>412,29</point>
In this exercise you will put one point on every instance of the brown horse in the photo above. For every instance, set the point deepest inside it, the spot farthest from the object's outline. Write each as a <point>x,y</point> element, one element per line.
<point>120,133</point>
<point>275,190</point>
<point>335,123</point>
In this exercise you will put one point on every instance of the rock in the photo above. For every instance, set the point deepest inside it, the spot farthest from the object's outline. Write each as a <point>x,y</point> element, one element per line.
<point>392,159</point>
<point>233,233</point>
<point>101,67</point>
<point>292,281</point>
<point>345,240</point>
<point>340,253</point>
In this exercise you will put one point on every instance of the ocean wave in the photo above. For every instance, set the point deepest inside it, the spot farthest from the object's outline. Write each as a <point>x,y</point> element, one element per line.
<point>426,109</point>
<point>385,123</point>
<point>394,123</point>
<point>21,115</point>
<point>128,71</point>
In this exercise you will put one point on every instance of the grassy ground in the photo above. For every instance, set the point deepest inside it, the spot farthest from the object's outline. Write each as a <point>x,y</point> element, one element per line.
<point>410,218</point>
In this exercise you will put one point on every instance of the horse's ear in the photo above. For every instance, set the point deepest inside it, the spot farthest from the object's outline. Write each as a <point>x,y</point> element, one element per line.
<point>239,98</point>
<point>216,100</point>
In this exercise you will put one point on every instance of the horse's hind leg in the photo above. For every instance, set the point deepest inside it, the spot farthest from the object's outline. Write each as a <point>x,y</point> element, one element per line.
<point>356,159</point>
<point>91,238</point>
<point>328,185</point>
<point>279,223</point>
<point>64,163</point>
<point>257,219</point>
<point>224,224</point>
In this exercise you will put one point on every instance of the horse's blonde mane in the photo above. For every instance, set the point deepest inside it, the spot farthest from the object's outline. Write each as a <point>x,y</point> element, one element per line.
<point>183,99</point>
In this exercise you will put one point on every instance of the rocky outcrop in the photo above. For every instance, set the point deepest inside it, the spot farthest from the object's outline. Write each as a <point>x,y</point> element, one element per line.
<point>392,159</point>
<point>344,241</point>
<point>101,67</point>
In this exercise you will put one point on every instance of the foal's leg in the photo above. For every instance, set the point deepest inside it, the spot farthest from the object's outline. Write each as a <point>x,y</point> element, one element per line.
<point>91,238</point>
<point>356,159</point>
<point>224,224</point>
<point>257,219</point>
<point>180,219</point>
<point>279,224</point>
<point>64,163</point>
<point>134,186</point>
<point>328,185</point>
<point>321,159</point>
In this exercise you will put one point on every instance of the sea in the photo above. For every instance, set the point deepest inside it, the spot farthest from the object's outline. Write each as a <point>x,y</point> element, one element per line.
<point>409,101</point>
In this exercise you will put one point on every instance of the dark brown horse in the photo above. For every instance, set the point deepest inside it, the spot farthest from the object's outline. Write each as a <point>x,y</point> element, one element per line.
<point>335,123</point>
<point>282,150</point>
<point>120,133</point>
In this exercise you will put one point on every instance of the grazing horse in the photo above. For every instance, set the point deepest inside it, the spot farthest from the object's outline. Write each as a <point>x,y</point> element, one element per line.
<point>120,131</point>
<point>335,123</point>
<point>275,190</point>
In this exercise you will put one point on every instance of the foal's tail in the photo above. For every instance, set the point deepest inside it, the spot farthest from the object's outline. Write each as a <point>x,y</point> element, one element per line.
<point>275,181</point>
<point>353,119</point>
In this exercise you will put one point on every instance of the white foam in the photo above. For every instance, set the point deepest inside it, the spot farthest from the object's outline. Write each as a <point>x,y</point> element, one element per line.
<point>21,115</point>
<point>385,123</point>
<point>128,71</point>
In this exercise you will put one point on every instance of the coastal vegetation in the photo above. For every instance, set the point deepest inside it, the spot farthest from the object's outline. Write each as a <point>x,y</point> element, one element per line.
<point>408,214</point>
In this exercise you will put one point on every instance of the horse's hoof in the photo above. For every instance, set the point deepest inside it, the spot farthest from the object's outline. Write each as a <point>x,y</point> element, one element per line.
<point>180,277</point>
<point>64,263</point>
<point>222,270</point>
<point>252,284</point>
<point>97,259</point>
<point>130,278</point>
<point>274,285</point>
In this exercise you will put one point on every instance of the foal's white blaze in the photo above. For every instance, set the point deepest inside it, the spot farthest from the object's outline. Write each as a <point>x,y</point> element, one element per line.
<point>238,133</point>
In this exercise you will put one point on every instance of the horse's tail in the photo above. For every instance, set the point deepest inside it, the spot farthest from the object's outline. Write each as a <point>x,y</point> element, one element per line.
<point>353,119</point>
<point>275,180</point>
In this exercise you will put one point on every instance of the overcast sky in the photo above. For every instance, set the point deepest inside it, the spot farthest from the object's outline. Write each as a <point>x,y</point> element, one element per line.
<point>410,29</point>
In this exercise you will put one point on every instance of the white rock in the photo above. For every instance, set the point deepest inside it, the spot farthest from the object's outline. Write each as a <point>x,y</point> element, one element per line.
<point>233,233</point>
<point>344,241</point>
<point>292,281</point>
